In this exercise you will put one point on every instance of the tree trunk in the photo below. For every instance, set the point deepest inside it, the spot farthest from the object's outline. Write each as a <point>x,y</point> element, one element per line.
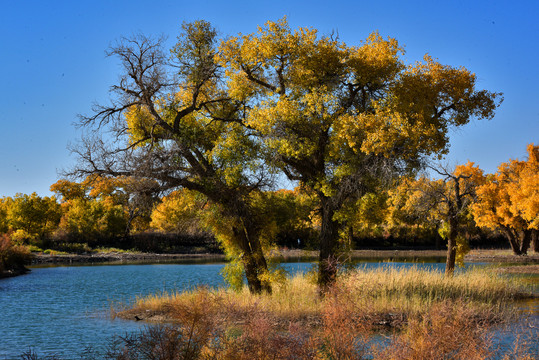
<point>251,273</point>
<point>350,237</point>
<point>525,243</point>
<point>513,241</point>
<point>451,246</point>
<point>258,255</point>
<point>327,266</point>
<point>535,241</point>
<point>250,261</point>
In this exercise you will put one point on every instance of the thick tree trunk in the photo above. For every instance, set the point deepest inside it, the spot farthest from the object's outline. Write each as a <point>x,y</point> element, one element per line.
<point>253,260</point>
<point>258,255</point>
<point>526,241</point>
<point>513,241</point>
<point>329,234</point>
<point>535,241</point>
<point>251,273</point>
<point>451,246</point>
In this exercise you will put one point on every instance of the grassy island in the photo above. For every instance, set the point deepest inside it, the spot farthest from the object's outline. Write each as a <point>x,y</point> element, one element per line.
<point>381,313</point>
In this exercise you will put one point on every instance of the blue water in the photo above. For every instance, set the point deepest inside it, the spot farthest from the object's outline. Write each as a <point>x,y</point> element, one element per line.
<point>62,310</point>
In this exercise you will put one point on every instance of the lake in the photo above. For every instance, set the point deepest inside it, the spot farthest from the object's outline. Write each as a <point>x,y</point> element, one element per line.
<point>61,310</point>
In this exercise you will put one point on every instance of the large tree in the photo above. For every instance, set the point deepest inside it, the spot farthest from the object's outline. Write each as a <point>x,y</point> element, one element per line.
<point>169,122</point>
<point>509,202</point>
<point>342,119</point>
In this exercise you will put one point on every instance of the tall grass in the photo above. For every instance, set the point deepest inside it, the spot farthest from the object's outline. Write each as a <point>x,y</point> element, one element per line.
<point>368,292</point>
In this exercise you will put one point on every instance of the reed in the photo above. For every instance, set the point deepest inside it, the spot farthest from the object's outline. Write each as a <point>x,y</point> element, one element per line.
<point>384,290</point>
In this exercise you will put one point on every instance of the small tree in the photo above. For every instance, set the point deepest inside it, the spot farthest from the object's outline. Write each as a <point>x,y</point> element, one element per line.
<point>446,200</point>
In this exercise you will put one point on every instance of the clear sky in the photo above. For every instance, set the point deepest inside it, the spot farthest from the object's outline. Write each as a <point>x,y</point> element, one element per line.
<point>53,64</point>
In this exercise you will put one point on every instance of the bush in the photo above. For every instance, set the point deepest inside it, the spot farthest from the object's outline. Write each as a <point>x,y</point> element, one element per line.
<point>12,257</point>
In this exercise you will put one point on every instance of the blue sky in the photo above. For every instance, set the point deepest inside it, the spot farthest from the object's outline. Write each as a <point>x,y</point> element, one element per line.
<point>53,64</point>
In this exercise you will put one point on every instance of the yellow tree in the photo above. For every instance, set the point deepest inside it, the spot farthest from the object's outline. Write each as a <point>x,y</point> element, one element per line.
<point>32,218</point>
<point>404,219</point>
<point>87,216</point>
<point>342,119</point>
<point>137,196</point>
<point>179,212</point>
<point>4,204</point>
<point>509,201</point>
<point>447,201</point>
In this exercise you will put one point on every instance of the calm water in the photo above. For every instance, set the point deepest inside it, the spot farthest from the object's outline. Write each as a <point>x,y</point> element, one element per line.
<point>61,310</point>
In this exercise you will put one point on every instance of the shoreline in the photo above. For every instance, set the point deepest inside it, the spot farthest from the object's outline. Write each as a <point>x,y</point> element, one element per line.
<point>492,256</point>
<point>113,257</point>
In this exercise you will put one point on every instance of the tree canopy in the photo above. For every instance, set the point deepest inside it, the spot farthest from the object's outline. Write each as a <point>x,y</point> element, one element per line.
<point>509,201</point>
<point>343,119</point>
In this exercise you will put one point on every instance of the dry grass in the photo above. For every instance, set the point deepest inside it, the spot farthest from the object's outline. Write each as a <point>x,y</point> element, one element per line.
<point>439,318</point>
<point>376,293</point>
<point>428,316</point>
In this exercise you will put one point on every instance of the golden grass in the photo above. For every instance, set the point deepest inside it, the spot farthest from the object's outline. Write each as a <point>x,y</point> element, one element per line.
<point>433,317</point>
<point>384,290</point>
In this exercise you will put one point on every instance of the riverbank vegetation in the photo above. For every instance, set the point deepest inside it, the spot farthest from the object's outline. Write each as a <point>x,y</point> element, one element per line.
<point>13,258</point>
<point>384,313</point>
<point>400,293</point>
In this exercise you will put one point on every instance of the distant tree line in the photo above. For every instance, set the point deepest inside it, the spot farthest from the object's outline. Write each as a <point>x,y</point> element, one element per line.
<point>463,206</point>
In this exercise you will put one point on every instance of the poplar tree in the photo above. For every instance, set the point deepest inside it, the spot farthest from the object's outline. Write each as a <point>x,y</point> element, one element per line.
<point>345,119</point>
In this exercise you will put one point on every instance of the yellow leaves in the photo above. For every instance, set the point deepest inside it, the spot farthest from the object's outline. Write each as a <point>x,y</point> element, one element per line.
<point>240,88</point>
<point>283,122</point>
<point>140,123</point>
<point>88,218</point>
<point>68,190</point>
<point>179,213</point>
<point>470,174</point>
<point>35,216</point>
<point>510,198</point>
<point>376,61</point>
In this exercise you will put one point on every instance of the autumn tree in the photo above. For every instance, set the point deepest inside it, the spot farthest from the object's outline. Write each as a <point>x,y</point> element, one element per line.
<point>32,218</point>
<point>137,196</point>
<point>172,122</point>
<point>344,120</point>
<point>509,201</point>
<point>289,217</point>
<point>446,201</point>
<point>179,213</point>
<point>87,216</point>
<point>4,202</point>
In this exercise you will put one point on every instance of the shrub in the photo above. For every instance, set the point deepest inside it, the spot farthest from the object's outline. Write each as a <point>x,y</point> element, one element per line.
<point>12,257</point>
<point>447,331</point>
